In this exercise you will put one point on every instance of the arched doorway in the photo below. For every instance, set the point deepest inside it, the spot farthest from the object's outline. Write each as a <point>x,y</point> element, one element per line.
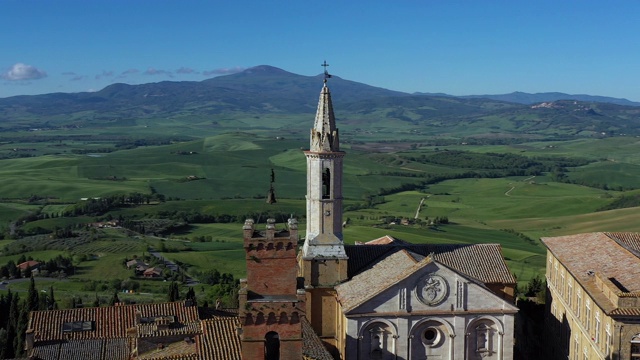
<point>272,346</point>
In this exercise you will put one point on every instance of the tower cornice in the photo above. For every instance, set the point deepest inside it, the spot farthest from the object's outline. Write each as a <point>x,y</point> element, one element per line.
<point>324,154</point>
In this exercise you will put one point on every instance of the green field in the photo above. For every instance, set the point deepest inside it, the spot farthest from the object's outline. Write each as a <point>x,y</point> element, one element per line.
<point>233,173</point>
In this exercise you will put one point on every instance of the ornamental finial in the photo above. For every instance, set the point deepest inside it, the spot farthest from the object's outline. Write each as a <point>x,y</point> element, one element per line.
<point>326,73</point>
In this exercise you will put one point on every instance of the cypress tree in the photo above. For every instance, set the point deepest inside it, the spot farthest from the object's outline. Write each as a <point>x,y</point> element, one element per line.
<point>52,300</point>
<point>174,292</point>
<point>6,349</point>
<point>3,343</point>
<point>114,299</point>
<point>191,295</point>
<point>14,314</point>
<point>32,297</point>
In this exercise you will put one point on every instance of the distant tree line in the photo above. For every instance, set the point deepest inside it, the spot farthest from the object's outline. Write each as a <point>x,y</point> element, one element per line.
<point>154,226</point>
<point>624,201</point>
<point>490,165</point>
<point>509,164</point>
<point>92,151</point>
<point>195,217</point>
<point>100,206</point>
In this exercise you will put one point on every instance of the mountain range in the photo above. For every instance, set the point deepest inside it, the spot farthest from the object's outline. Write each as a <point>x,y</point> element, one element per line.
<point>266,90</point>
<point>527,98</point>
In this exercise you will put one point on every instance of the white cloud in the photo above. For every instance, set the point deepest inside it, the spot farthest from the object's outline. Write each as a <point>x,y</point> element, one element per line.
<point>152,71</point>
<point>224,71</point>
<point>186,70</point>
<point>20,71</point>
<point>105,73</point>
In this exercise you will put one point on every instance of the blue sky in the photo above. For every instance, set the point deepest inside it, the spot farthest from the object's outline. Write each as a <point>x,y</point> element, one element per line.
<point>455,47</point>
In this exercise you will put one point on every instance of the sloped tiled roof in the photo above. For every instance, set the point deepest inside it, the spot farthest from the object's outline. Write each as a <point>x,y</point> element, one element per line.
<point>384,273</point>
<point>174,348</point>
<point>220,339</point>
<point>385,240</point>
<point>598,253</point>
<point>47,350</point>
<point>630,241</point>
<point>110,322</point>
<point>482,262</point>
<point>605,255</point>
<point>312,347</point>
<point>84,349</point>
<point>28,264</point>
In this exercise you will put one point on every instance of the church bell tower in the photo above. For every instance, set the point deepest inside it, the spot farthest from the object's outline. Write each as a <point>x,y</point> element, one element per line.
<point>323,261</point>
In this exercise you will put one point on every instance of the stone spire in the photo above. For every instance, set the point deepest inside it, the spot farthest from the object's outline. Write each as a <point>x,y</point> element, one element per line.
<point>324,184</point>
<point>324,135</point>
<point>323,261</point>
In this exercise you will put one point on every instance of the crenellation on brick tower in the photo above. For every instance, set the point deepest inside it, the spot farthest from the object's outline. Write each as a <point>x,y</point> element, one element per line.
<point>270,304</point>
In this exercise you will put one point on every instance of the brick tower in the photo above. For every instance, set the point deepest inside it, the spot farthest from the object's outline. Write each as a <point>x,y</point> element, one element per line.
<point>270,306</point>
<point>323,261</point>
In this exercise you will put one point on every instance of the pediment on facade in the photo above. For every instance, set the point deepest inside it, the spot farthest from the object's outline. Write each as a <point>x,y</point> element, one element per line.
<point>426,286</point>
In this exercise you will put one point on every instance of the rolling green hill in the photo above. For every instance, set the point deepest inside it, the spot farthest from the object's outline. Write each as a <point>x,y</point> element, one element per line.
<point>268,98</point>
<point>205,151</point>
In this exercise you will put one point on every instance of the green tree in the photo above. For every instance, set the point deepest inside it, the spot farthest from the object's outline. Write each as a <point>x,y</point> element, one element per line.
<point>174,292</point>
<point>534,287</point>
<point>114,300</point>
<point>51,304</point>
<point>191,295</point>
<point>32,297</point>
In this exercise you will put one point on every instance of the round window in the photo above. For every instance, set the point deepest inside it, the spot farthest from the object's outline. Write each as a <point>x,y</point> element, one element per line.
<point>431,336</point>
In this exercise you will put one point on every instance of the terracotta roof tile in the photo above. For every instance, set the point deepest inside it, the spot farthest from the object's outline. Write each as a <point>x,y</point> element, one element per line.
<point>174,347</point>
<point>220,339</point>
<point>378,278</point>
<point>110,322</point>
<point>385,240</point>
<point>630,241</point>
<point>28,264</point>
<point>81,349</point>
<point>601,254</point>
<point>312,347</point>
<point>482,262</point>
<point>47,350</point>
<point>116,349</point>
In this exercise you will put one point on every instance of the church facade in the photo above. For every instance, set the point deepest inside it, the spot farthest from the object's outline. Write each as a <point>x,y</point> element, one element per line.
<point>392,299</point>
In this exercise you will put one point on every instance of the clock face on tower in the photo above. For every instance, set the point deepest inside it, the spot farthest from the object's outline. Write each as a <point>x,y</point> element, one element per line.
<point>432,289</point>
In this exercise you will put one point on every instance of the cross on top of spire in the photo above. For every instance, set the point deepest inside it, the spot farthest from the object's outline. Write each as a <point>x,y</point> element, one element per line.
<point>326,73</point>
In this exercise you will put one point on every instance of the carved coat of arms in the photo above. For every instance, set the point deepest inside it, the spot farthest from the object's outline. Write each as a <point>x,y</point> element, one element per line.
<point>431,289</point>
